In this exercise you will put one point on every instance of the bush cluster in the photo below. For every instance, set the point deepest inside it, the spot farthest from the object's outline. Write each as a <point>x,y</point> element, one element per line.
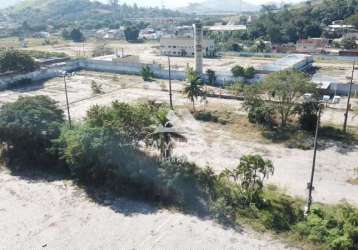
<point>239,71</point>
<point>28,125</point>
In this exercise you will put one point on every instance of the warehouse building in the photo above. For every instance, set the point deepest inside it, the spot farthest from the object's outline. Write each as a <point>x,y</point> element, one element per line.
<point>181,46</point>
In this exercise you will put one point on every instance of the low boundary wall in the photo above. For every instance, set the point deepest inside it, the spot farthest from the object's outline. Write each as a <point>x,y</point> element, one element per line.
<point>103,66</point>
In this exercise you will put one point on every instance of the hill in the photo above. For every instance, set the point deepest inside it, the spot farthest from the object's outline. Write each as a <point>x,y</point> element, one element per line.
<point>303,20</point>
<point>214,6</point>
<point>7,3</point>
<point>80,12</point>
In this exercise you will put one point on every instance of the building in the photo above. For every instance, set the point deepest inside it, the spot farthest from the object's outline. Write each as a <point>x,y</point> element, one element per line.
<point>300,62</point>
<point>312,45</point>
<point>181,46</point>
<point>226,28</point>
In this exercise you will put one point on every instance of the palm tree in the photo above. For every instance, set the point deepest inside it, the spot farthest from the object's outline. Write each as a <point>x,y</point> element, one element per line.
<point>164,135</point>
<point>193,90</point>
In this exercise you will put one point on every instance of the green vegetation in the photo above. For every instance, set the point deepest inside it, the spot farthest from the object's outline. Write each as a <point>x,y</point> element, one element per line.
<point>193,90</point>
<point>131,33</point>
<point>211,76</point>
<point>280,93</point>
<point>165,134</point>
<point>74,34</point>
<point>103,151</point>
<point>147,73</point>
<point>247,73</point>
<point>16,61</point>
<point>349,43</point>
<point>28,125</point>
<point>84,14</point>
<point>289,24</point>
<point>207,116</point>
<point>96,88</point>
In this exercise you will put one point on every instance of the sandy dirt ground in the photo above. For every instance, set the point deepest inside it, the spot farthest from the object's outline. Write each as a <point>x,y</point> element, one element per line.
<point>216,145</point>
<point>59,215</point>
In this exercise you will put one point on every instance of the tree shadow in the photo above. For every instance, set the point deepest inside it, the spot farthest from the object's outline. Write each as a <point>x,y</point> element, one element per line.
<point>26,85</point>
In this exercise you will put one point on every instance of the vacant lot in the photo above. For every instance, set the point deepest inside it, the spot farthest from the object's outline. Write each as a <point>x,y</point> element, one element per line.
<point>58,215</point>
<point>213,144</point>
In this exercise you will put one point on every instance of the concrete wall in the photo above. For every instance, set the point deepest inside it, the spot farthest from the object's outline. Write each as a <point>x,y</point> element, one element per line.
<point>105,66</point>
<point>342,89</point>
<point>44,73</point>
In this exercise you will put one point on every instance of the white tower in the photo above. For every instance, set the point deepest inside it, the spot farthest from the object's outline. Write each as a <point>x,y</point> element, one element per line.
<point>198,47</point>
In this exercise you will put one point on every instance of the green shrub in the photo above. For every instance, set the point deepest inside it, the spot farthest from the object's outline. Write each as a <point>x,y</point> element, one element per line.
<point>96,88</point>
<point>147,73</point>
<point>206,116</point>
<point>16,61</point>
<point>28,125</point>
<point>134,120</point>
<point>238,71</point>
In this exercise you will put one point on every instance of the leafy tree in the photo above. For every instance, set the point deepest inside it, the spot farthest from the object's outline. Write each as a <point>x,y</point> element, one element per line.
<point>131,33</point>
<point>28,125</point>
<point>14,60</point>
<point>147,73</point>
<point>193,90</point>
<point>261,46</point>
<point>135,121</point>
<point>77,36</point>
<point>211,76</point>
<point>164,134</point>
<point>353,20</point>
<point>238,71</point>
<point>250,174</point>
<point>284,89</point>
<point>250,72</point>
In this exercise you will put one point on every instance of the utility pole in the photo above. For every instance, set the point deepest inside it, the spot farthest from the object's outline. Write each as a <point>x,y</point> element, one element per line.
<point>67,103</point>
<point>349,100</point>
<point>310,184</point>
<point>170,85</point>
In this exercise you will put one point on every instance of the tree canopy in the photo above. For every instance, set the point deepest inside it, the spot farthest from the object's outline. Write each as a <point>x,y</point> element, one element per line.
<point>16,61</point>
<point>283,90</point>
<point>290,23</point>
<point>29,124</point>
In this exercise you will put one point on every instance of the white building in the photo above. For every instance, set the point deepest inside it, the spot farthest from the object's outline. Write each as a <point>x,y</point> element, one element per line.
<point>179,46</point>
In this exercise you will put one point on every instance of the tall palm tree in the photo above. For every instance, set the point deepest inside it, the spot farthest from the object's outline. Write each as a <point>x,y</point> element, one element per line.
<point>164,135</point>
<point>193,90</point>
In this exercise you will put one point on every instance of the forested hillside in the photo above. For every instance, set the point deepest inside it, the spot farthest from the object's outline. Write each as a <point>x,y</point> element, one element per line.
<point>301,21</point>
<point>84,13</point>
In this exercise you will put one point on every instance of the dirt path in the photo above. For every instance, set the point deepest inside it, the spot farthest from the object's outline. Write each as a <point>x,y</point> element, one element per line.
<point>57,215</point>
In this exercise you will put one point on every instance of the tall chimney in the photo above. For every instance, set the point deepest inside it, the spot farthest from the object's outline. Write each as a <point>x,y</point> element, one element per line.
<point>198,47</point>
